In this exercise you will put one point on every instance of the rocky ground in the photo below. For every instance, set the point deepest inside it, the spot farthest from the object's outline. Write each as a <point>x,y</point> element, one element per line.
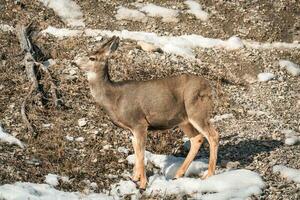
<point>254,139</point>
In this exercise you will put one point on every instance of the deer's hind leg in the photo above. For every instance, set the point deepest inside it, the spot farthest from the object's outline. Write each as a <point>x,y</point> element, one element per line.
<point>209,132</point>
<point>196,140</point>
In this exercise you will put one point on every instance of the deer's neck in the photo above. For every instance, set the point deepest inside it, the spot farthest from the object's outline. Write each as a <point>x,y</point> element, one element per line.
<point>100,84</point>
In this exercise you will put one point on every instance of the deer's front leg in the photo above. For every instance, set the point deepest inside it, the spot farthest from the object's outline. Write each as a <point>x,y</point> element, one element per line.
<point>139,142</point>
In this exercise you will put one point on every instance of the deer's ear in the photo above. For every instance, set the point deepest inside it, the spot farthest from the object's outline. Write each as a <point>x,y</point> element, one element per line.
<point>114,45</point>
<point>107,47</point>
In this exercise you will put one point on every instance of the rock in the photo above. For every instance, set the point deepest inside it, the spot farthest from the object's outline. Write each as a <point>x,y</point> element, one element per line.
<point>72,72</point>
<point>82,122</point>
<point>250,79</point>
<point>148,47</point>
<point>123,150</point>
<point>266,76</point>
<point>79,139</point>
<point>49,62</point>
<point>70,138</point>
<point>106,147</point>
<point>229,164</point>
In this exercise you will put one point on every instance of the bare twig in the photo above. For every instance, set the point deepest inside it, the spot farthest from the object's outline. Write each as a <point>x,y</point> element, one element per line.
<point>23,111</point>
<point>53,87</point>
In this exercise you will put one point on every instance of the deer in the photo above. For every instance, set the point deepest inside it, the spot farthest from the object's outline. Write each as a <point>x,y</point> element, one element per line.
<point>183,101</point>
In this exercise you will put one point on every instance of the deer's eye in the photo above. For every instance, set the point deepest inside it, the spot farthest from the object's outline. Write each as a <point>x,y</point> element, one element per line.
<point>92,58</point>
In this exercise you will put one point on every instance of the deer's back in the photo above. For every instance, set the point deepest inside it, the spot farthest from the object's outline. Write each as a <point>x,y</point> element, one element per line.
<point>161,102</point>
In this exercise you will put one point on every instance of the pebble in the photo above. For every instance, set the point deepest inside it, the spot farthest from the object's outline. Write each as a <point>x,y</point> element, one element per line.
<point>148,47</point>
<point>82,122</point>
<point>79,139</point>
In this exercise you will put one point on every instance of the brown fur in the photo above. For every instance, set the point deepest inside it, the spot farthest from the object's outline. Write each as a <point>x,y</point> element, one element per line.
<point>184,101</point>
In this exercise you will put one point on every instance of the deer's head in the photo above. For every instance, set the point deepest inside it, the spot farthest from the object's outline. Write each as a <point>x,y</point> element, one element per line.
<point>96,60</point>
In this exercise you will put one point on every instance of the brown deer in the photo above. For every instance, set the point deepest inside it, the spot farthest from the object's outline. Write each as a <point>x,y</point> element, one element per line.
<point>139,106</point>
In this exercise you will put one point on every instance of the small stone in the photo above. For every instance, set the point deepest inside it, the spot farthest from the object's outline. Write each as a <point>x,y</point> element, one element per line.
<point>229,164</point>
<point>148,47</point>
<point>82,122</point>
<point>123,150</point>
<point>70,138</point>
<point>49,62</point>
<point>106,147</point>
<point>266,76</point>
<point>72,72</point>
<point>94,185</point>
<point>79,139</point>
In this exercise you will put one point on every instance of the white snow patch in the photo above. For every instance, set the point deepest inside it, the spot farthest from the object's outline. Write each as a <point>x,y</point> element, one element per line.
<point>20,191</point>
<point>67,10</point>
<point>182,45</point>
<point>222,117</point>
<point>272,45</point>
<point>7,138</point>
<point>287,172</point>
<point>291,137</point>
<point>52,179</point>
<point>170,164</point>
<point>130,14</point>
<point>291,67</point>
<point>265,76</point>
<point>235,184</point>
<point>167,14</point>
<point>196,9</point>
<point>62,32</point>
<point>6,28</point>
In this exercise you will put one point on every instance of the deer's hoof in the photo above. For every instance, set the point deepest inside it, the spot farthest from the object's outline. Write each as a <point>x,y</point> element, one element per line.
<point>142,190</point>
<point>206,175</point>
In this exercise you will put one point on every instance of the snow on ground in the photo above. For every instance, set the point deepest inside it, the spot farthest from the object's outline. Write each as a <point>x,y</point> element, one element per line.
<point>238,184</point>
<point>196,9</point>
<point>291,67</point>
<point>169,164</point>
<point>265,76</point>
<point>7,138</point>
<point>287,172</point>
<point>179,45</point>
<point>130,14</point>
<point>228,185</point>
<point>24,190</point>
<point>52,179</point>
<point>67,10</point>
<point>167,14</point>
<point>6,28</point>
<point>291,137</point>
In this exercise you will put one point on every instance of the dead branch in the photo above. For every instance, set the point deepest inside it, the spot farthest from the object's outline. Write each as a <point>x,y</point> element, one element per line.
<point>23,111</point>
<point>30,62</point>
<point>53,87</point>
